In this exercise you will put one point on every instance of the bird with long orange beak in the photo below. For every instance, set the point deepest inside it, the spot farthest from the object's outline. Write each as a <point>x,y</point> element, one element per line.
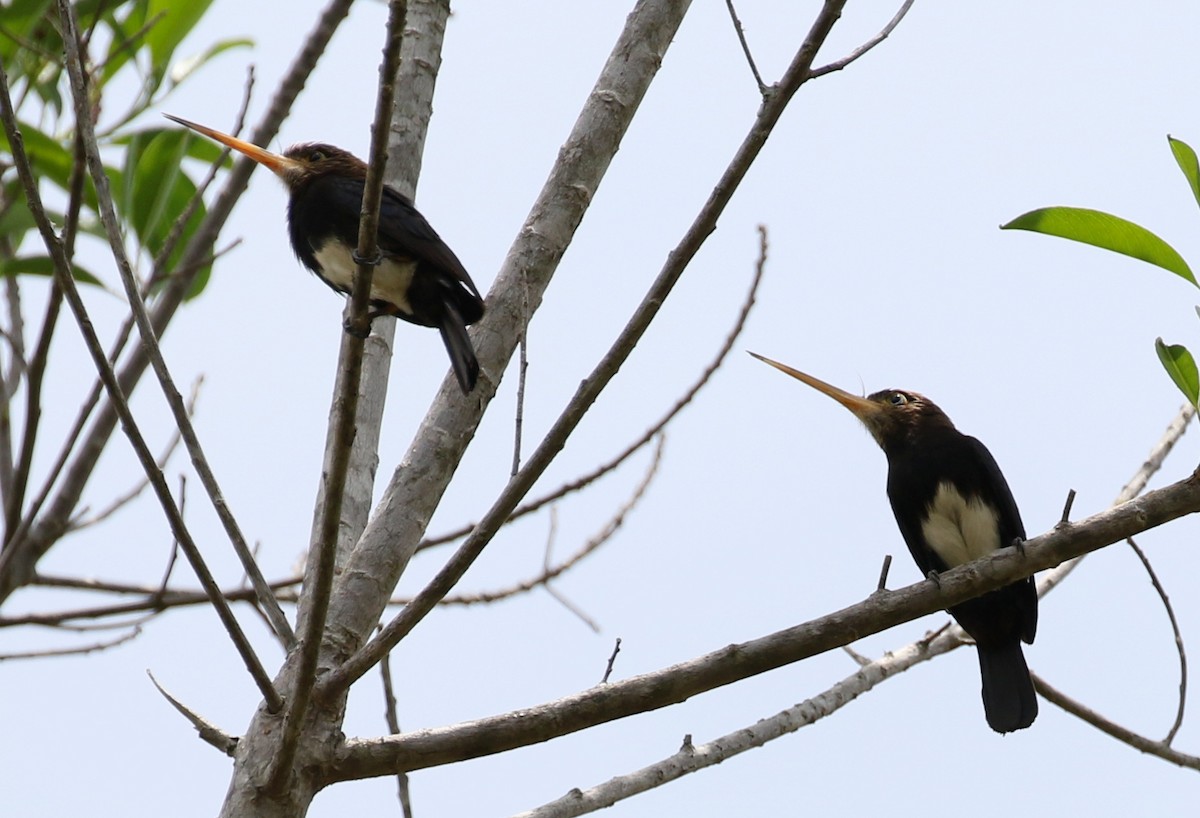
<point>418,279</point>
<point>953,506</point>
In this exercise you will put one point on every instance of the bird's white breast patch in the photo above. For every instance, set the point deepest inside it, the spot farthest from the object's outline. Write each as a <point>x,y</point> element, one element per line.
<point>390,282</point>
<point>959,530</point>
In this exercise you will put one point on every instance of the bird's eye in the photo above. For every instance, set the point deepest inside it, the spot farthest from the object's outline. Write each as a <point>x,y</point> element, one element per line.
<point>899,399</point>
<point>317,155</point>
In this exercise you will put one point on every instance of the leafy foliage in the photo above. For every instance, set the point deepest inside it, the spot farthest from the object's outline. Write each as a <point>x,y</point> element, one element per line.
<point>1119,235</point>
<point>137,38</point>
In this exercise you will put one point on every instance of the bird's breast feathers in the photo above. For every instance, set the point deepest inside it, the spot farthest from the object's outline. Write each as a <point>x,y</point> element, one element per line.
<point>390,282</point>
<point>960,529</point>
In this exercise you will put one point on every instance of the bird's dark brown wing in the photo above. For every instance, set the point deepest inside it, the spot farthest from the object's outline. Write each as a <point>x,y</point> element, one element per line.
<point>403,231</point>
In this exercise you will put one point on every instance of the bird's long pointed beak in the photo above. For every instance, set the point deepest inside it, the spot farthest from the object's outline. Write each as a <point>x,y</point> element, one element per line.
<point>861,407</point>
<point>281,166</point>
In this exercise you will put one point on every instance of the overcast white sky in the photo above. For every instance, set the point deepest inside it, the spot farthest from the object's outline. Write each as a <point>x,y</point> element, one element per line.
<point>882,189</point>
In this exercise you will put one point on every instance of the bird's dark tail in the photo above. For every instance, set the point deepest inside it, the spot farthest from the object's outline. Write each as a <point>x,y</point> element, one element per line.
<point>1009,701</point>
<point>458,344</point>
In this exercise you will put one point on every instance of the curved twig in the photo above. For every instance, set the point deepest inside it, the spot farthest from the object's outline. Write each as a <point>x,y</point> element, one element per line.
<point>208,731</point>
<point>1183,666</point>
<point>838,65</point>
<point>550,572</point>
<point>582,482</point>
<point>1139,742</point>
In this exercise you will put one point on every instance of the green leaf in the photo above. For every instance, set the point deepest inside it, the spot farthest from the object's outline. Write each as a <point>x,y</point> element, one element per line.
<point>152,193</point>
<point>174,20</point>
<point>1181,367</point>
<point>1186,157</point>
<point>182,69</point>
<point>1105,231</point>
<point>44,266</point>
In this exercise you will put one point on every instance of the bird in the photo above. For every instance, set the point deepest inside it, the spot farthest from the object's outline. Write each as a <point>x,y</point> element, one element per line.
<point>953,505</point>
<point>418,278</point>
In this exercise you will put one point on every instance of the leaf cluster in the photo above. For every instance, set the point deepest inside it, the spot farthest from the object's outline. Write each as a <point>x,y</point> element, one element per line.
<point>1120,235</point>
<point>130,44</point>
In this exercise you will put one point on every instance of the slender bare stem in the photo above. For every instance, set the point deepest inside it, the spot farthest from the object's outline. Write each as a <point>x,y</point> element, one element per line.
<point>1183,665</point>
<point>342,433</point>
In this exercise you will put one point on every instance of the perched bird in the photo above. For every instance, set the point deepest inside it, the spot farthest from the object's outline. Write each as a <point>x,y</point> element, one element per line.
<point>418,279</point>
<point>953,505</point>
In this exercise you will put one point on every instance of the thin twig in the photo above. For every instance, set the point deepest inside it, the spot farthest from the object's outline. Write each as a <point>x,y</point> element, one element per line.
<point>584,481</point>
<point>612,660</point>
<point>393,723</point>
<point>133,493</point>
<point>865,47</point>
<point>342,427</point>
<point>1066,514</point>
<point>153,599</point>
<point>741,35</point>
<point>1158,453</point>
<point>208,731</point>
<point>550,589</point>
<point>1161,749</point>
<point>519,414</point>
<point>550,572</point>
<point>79,651</point>
<point>1183,667</point>
<point>883,572</point>
<point>149,346</point>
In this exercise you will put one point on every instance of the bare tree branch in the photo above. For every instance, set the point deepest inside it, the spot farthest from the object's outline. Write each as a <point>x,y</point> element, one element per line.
<point>129,496</point>
<point>591,387</point>
<point>1161,749</point>
<point>314,606</point>
<point>444,745</point>
<point>393,723</point>
<point>1175,429</point>
<point>1183,666</point>
<point>76,651</point>
<point>838,65</point>
<point>741,35</point>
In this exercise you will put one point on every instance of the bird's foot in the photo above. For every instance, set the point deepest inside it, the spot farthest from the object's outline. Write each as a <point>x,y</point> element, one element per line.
<point>1019,544</point>
<point>374,262</point>
<point>359,332</point>
<point>934,578</point>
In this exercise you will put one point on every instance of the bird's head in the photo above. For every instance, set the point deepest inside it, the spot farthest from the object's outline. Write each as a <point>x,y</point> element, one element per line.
<point>892,416</point>
<point>298,165</point>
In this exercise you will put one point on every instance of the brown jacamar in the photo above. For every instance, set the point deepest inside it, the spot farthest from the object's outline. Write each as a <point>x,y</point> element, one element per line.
<point>418,279</point>
<point>953,505</point>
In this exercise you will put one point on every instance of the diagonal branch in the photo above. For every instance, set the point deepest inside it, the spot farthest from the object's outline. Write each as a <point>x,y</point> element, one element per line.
<point>1162,749</point>
<point>315,606</point>
<point>149,341</point>
<point>884,33</point>
<point>591,387</point>
<point>651,691</point>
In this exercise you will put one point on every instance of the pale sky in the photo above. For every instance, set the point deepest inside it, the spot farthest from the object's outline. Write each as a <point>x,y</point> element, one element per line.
<point>882,188</point>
